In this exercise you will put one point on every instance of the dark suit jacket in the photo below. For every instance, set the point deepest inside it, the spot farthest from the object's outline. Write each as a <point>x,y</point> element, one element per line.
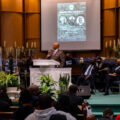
<point>74,102</point>
<point>4,106</point>
<point>101,72</point>
<point>116,71</point>
<point>94,70</point>
<point>59,56</point>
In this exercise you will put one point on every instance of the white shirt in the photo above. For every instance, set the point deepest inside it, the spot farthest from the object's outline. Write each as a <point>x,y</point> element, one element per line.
<point>54,52</point>
<point>90,67</point>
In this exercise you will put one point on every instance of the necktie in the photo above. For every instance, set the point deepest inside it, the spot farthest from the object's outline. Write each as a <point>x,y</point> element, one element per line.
<point>117,68</point>
<point>53,53</point>
<point>89,70</point>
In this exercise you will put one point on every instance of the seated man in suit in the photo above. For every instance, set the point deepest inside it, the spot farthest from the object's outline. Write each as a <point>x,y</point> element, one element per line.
<point>103,70</point>
<point>89,74</point>
<point>114,75</point>
<point>56,54</point>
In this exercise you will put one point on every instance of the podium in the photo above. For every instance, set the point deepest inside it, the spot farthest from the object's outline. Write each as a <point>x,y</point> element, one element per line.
<point>45,63</point>
<point>47,67</point>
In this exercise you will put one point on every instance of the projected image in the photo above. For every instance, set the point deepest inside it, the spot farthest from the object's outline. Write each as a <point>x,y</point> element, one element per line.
<point>71,22</point>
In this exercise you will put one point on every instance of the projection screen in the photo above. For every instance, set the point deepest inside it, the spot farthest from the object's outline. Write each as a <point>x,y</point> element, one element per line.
<point>73,23</point>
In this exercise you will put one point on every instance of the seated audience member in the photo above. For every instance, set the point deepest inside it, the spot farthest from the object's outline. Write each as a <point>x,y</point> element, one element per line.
<point>113,77</point>
<point>58,117</point>
<point>88,75</point>
<point>75,100</point>
<point>103,70</point>
<point>73,95</point>
<point>34,91</point>
<point>63,102</point>
<point>5,102</point>
<point>45,109</point>
<point>26,106</point>
<point>107,114</point>
<point>4,96</point>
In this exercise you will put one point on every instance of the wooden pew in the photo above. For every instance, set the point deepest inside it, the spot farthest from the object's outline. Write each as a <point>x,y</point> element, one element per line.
<point>13,108</point>
<point>6,115</point>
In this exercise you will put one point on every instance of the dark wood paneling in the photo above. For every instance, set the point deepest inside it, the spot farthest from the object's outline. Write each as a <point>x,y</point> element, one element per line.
<point>21,22</point>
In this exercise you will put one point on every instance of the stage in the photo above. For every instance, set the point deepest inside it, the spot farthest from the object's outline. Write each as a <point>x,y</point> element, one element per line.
<point>99,102</point>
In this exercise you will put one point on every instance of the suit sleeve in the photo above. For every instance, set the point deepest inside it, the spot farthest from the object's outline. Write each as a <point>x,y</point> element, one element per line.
<point>49,54</point>
<point>62,59</point>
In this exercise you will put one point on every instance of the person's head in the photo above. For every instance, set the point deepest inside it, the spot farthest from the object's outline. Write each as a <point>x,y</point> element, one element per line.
<point>98,59</point>
<point>69,55</point>
<point>56,45</point>
<point>118,61</point>
<point>73,89</point>
<point>58,117</point>
<point>25,97</point>
<point>34,90</point>
<point>92,61</point>
<point>108,113</point>
<point>45,101</point>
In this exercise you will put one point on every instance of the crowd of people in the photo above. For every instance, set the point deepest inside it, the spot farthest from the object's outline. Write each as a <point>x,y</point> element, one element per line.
<point>36,106</point>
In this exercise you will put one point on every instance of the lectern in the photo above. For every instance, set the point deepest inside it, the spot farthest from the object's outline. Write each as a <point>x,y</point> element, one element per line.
<point>51,67</point>
<point>45,63</point>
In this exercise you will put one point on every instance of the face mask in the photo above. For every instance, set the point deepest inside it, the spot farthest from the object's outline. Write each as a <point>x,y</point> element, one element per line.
<point>99,61</point>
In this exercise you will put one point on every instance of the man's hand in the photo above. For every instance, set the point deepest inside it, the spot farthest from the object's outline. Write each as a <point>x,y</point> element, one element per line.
<point>86,77</point>
<point>105,69</point>
<point>112,74</point>
<point>49,54</point>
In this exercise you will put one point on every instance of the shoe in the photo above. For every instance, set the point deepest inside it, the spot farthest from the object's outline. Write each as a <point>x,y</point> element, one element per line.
<point>106,93</point>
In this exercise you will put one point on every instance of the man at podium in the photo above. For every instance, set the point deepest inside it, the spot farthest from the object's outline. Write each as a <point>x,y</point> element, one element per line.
<point>56,54</point>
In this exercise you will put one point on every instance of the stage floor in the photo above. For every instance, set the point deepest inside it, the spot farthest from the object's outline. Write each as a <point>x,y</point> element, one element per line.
<point>99,102</point>
<point>100,99</point>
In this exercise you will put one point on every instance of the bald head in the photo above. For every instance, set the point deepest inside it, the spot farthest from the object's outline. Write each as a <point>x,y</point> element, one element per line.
<point>56,45</point>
